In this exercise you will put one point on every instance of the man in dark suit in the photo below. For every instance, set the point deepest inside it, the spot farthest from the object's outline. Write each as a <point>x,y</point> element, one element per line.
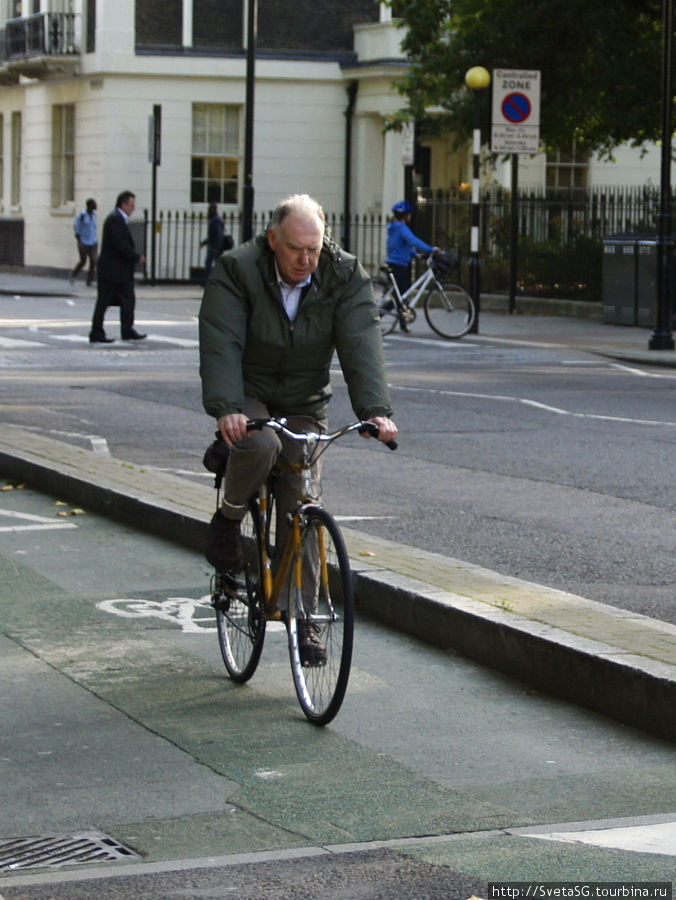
<point>115,274</point>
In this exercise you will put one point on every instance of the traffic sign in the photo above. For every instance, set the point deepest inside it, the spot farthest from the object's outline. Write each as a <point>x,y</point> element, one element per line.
<point>516,111</point>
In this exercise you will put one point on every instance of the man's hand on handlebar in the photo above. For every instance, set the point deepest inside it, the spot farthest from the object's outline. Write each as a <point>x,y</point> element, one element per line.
<point>233,427</point>
<point>387,430</point>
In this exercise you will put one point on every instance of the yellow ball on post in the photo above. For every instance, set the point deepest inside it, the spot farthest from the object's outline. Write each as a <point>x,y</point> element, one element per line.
<point>477,78</point>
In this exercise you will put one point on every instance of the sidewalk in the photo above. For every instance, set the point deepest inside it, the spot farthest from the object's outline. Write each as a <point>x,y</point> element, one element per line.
<point>608,659</point>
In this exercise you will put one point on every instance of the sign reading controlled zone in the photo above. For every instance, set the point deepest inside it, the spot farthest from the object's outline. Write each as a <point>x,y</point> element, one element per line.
<point>516,111</point>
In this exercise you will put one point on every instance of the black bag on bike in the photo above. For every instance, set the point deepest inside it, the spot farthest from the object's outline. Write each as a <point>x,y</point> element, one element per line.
<point>445,261</point>
<point>215,458</point>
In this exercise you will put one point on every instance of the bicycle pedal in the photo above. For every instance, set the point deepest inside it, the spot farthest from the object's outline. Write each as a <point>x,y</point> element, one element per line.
<point>220,602</point>
<point>313,663</point>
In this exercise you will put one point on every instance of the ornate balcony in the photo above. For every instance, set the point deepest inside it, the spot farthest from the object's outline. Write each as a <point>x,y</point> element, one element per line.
<point>40,46</point>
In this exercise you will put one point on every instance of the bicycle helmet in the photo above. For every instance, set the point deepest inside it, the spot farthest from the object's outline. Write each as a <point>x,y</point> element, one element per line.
<point>402,207</point>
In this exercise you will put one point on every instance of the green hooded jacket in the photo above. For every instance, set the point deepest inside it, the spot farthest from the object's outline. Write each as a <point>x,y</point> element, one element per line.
<point>250,348</point>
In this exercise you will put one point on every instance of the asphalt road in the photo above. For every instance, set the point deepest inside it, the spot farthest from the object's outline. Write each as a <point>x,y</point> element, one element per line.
<point>549,464</point>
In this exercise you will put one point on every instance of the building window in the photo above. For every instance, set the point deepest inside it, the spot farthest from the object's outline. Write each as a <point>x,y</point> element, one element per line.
<point>567,169</point>
<point>218,24</point>
<point>159,23</point>
<point>302,26</point>
<point>15,195</point>
<point>63,154</point>
<point>215,153</point>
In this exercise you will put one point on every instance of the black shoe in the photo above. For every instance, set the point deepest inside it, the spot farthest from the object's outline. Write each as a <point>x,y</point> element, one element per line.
<point>100,339</point>
<point>312,651</point>
<point>224,549</point>
<point>134,336</point>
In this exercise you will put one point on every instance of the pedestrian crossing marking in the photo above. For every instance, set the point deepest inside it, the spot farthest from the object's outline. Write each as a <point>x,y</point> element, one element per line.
<point>8,343</point>
<point>16,343</point>
<point>659,838</point>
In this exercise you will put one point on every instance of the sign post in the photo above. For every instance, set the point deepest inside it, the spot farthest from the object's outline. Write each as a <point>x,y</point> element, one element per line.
<point>515,129</point>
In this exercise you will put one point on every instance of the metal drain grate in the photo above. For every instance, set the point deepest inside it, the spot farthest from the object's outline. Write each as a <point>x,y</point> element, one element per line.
<point>62,850</point>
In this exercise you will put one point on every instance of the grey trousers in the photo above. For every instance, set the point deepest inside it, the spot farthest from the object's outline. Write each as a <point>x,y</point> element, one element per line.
<point>252,459</point>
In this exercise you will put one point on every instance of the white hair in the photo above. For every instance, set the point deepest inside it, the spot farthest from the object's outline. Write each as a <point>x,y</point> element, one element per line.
<point>300,204</point>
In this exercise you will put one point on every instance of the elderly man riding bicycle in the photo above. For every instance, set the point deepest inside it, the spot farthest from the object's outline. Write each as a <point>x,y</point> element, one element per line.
<point>273,312</point>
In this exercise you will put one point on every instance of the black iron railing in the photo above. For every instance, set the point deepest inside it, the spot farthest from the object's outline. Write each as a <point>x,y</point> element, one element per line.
<point>45,34</point>
<point>178,236</point>
<point>560,236</point>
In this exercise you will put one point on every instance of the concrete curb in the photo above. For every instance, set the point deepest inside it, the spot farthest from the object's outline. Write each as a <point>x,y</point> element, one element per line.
<point>606,659</point>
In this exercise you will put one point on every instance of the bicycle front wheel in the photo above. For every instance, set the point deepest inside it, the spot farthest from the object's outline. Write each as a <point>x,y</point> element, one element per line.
<point>449,310</point>
<point>238,601</point>
<point>387,307</point>
<point>321,618</point>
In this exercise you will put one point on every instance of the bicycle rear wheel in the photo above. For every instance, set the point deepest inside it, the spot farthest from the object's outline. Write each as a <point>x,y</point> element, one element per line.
<point>449,310</point>
<point>321,619</point>
<point>238,601</point>
<point>387,307</point>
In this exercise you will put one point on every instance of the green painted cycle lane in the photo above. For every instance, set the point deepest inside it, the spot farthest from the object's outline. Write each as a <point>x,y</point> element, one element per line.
<point>309,786</point>
<point>239,769</point>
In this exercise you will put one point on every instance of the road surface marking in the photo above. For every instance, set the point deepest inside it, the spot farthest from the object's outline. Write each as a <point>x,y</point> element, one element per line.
<point>17,344</point>
<point>38,523</point>
<point>524,401</point>
<point>182,611</point>
<point>657,838</point>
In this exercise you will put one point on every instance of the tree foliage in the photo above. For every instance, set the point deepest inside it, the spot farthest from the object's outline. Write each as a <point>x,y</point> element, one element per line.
<point>600,65</point>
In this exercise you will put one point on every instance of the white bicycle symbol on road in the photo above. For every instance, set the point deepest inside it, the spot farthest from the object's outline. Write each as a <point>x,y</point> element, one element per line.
<point>190,615</point>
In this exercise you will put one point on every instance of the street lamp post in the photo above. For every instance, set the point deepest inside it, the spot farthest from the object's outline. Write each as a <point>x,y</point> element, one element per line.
<point>248,189</point>
<point>661,338</point>
<point>477,79</point>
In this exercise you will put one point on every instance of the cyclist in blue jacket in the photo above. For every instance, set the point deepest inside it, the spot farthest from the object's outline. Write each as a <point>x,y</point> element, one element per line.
<point>403,245</point>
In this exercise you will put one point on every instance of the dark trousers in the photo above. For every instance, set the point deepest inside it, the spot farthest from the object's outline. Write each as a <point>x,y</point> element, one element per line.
<point>114,294</point>
<point>402,275</point>
<point>87,252</point>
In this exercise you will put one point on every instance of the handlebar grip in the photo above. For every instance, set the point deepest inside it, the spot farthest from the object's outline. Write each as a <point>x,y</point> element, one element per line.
<point>373,430</point>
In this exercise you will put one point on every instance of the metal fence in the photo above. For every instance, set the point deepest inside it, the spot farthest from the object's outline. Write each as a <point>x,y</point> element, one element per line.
<point>560,236</point>
<point>179,255</point>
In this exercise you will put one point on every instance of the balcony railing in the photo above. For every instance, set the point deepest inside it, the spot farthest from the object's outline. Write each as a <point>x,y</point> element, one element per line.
<point>41,43</point>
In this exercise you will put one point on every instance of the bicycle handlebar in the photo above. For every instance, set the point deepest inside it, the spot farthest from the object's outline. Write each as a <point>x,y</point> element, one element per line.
<point>279,425</point>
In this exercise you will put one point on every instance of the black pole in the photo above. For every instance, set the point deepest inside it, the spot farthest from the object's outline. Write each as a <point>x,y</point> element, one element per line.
<point>153,225</point>
<point>347,185</point>
<point>514,238</point>
<point>661,338</point>
<point>474,274</point>
<point>157,156</point>
<point>248,191</point>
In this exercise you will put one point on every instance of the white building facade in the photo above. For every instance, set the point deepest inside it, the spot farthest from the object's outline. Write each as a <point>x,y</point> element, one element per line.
<point>79,80</point>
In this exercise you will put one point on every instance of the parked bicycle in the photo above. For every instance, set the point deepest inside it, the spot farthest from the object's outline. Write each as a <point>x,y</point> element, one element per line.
<point>449,309</point>
<point>307,584</point>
